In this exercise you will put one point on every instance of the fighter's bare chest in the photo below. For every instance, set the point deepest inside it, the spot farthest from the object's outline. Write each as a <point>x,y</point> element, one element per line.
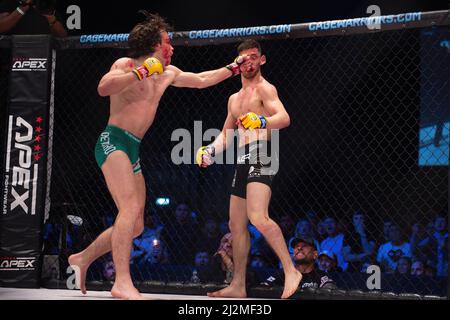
<point>246,101</point>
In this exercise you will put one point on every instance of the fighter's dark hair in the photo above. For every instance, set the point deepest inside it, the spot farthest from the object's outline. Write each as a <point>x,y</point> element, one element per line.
<point>249,44</point>
<point>146,35</point>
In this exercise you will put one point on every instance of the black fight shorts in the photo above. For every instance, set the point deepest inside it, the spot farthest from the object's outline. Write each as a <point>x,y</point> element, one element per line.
<point>255,163</point>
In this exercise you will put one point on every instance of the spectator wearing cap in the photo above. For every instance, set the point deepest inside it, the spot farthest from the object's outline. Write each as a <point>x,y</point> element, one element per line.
<point>305,258</point>
<point>303,229</point>
<point>327,262</point>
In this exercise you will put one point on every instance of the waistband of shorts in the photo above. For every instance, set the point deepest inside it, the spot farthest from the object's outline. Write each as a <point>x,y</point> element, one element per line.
<point>116,130</point>
<point>253,143</point>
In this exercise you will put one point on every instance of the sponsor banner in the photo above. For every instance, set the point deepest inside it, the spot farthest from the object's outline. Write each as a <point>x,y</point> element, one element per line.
<point>29,64</point>
<point>25,159</point>
<point>283,31</point>
<point>18,263</point>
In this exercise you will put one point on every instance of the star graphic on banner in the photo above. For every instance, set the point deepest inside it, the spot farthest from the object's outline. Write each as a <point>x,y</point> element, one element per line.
<point>38,139</point>
<point>37,157</point>
<point>39,119</point>
<point>37,148</point>
<point>38,129</point>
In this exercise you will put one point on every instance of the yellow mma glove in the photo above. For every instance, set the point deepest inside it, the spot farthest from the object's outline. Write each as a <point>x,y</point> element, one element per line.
<point>252,121</point>
<point>205,156</point>
<point>149,67</point>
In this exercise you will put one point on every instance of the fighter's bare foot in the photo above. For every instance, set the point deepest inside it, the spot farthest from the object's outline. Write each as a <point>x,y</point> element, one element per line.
<point>291,283</point>
<point>229,292</point>
<point>126,292</point>
<point>80,266</point>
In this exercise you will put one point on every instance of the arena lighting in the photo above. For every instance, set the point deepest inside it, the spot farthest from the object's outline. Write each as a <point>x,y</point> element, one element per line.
<point>162,201</point>
<point>75,220</point>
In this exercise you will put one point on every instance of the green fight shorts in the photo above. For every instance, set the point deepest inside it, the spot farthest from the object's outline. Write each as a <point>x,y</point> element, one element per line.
<point>114,138</point>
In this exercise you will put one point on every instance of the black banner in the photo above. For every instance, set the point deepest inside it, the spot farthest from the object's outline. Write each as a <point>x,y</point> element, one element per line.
<point>24,170</point>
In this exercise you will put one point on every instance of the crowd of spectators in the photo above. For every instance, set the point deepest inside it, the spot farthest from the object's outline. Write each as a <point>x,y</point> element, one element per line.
<point>202,246</point>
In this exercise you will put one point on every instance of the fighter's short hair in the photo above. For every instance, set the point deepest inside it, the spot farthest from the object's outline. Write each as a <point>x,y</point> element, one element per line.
<point>249,44</point>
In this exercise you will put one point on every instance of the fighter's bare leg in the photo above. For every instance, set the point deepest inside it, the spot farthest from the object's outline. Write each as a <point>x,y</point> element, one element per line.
<point>129,192</point>
<point>100,246</point>
<point>123,286</point>
<point>241,247</point>
<point>258,198</point>
<point>125,190</point>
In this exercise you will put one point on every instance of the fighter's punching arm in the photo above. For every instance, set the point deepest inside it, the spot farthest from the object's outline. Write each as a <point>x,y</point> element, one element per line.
<point>205,154</point>
<point>123,74</point>
<point>278,119</point>
<point>207,78</point>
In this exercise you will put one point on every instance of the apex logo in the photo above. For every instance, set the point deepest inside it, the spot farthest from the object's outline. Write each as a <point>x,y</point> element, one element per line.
<point>18,263</point>
<point>30,64</point>
<point>24,173</point>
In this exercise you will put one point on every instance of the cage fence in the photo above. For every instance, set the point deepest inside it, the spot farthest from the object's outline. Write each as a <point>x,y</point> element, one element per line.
<point>363,165</point>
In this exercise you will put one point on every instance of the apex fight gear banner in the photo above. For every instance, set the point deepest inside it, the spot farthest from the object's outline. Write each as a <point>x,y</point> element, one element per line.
<point>24,169</point>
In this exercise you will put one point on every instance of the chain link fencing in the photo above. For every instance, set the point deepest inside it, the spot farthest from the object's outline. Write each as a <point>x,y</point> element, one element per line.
<point>368,141</point>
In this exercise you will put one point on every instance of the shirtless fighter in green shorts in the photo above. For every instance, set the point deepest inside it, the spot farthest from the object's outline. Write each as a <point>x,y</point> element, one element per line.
<point>135,85</point>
